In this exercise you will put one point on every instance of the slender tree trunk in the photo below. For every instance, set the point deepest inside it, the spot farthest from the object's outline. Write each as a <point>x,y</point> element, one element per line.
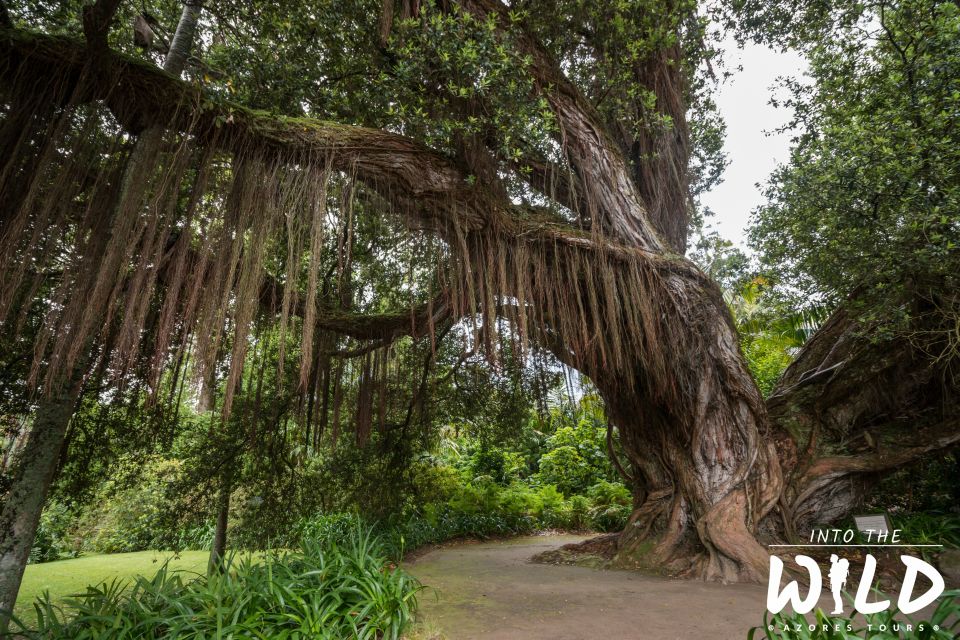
<point>183,38</point>
<point>33,471</point>
<point>219,547</point>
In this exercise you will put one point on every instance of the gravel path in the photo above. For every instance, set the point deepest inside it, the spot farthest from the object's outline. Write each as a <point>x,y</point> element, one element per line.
<point>491,591</point>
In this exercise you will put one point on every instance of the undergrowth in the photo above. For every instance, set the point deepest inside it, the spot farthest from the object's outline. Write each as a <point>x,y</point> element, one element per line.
<point>333,587</point>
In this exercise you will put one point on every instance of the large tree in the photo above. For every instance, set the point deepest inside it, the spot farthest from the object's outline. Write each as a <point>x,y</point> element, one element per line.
<point>539,158</point>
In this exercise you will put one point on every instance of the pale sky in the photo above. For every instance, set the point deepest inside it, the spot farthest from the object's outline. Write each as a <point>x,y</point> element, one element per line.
<point>743,101</point>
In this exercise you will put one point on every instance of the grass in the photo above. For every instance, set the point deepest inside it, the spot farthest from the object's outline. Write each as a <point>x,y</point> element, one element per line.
<point>65,578</point>
<point>424,630</point>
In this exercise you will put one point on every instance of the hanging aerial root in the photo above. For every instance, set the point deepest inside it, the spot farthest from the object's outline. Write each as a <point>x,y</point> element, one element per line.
<point>606,309</point>
<point>185,252</point>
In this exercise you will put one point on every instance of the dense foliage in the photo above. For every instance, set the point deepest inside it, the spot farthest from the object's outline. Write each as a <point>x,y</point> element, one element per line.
<point>867,208</point>
<point>299,434</point>
<point>554,474</point>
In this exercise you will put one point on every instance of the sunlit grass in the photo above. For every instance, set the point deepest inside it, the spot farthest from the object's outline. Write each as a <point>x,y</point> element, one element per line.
<point>69,577</point>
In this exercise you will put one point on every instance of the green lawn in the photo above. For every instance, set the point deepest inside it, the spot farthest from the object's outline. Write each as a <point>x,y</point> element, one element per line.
<point>67,577</point>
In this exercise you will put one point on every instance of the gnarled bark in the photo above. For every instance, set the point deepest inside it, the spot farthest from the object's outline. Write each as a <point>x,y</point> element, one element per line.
<point>644,324</point>
<point>702,461</point>
<point>850,409</point>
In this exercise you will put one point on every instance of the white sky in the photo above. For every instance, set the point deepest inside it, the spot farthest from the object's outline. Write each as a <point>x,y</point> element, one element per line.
<point>743,101</point>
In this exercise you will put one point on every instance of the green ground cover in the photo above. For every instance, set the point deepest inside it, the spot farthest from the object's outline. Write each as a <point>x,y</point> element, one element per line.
<point>68,577</point>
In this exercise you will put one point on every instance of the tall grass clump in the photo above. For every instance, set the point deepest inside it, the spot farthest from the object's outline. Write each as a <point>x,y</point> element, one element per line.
<point>328,589</point>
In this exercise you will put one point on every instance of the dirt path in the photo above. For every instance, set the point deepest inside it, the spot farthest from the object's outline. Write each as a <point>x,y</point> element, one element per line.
<point>492,591</point>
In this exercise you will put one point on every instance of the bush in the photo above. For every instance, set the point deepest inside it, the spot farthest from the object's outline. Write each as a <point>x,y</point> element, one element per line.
<point>932,484</point>
<point>134,516</point>
<point>519,500</point>
<point>606,493</point>
<point>577,456</point>
<point>609,518</point>
<point>610,505</point>
<point>557,512</point>
<point>767,359</point>
<point>565,468</point>
<point>477,497</point>
<point>499,465</point>
<point>331,528</point>
<point>197,538</point>
<point>580,517</point>
<point>929,528</point>
<point>434,482</point>
<point>52,541</point>
<point>345,589</point>
<point>484,509</point>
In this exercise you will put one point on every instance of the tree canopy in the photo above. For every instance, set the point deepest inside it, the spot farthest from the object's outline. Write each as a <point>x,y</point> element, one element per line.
<point>866,208</point>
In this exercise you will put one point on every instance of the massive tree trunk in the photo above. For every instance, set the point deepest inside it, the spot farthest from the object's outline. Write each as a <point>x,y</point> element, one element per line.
<point>695,430</point>
<point>705,475</point>
<point>851,408</point>
<point>712,473</point>
<point>690,416</point>
<point>848,410</point>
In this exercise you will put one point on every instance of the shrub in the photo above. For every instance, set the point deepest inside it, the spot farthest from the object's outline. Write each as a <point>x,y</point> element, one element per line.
<point>580,517</point>
<point>931,485</point>
<point>52,541</point>
<point>345,589</point>
<point>929,528</point>
<point>132,517</point>
<point>565,468</point>
<point>767,359</point>
<point>331,528</point>
<point>435,482</point>
<point>556,513</point>
<point>609,518</point>
<point>500,465</point>
<point>610,505</point>
<point>482,496</point>
<point>197,538</point>
<point>606,493</point>
<point>520,500</point>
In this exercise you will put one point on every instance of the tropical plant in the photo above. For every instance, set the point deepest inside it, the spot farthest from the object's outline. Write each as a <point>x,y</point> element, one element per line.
<point>610,505</point>
<point>53,540</point>
<point>770,331</point>
<point>929,528</point>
